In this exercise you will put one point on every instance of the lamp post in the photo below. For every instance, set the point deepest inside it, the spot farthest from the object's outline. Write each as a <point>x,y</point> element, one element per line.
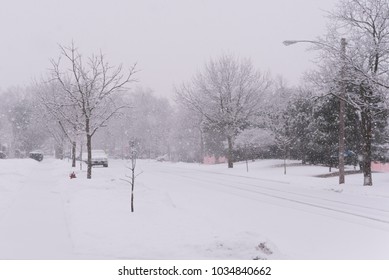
<point>341,97</point>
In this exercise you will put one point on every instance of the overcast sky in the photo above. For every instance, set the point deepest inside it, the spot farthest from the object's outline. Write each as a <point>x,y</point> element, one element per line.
<point>170,40</point>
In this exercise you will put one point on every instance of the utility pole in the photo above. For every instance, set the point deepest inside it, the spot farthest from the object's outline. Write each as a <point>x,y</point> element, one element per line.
<point>342,95</point>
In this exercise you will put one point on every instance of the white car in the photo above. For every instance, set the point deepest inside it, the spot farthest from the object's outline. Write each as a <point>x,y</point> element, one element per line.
<point>99,157</point>
<point>163,158</point>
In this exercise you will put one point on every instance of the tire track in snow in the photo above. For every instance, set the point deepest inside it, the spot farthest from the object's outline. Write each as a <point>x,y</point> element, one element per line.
<point>282,190</point>
<point>296,201</point>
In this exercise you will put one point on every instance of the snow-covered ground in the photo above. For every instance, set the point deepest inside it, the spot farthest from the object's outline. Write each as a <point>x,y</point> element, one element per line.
<point>190,211</point>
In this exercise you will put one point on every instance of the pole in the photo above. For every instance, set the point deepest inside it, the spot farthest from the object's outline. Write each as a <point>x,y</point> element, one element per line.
<point>342,94</point>
<point>342,113</point>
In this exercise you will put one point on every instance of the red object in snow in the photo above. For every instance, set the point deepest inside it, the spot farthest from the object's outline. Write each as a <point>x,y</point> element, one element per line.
<point>72,175</point>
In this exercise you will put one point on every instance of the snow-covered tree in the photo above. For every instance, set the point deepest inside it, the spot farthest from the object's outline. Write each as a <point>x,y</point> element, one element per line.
<point>227,93</point>
<point>300,110</point>
<point>358,74</point>
<point>187,137</point>
<point>149,121</point>
<point>323,140</point>
<point>254,142</point>
<point>275,118</point>
<point>21,122</point>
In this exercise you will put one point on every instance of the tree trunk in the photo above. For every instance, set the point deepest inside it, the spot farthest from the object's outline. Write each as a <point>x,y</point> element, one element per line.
<point>132,185</point>
<point>88,148</point>
<point>59,151</point>
<point>285,156</point>
<point>366,147</point>
<point>201,156</point>
<point>132,201</point>
<point>74,154</point>
<point>230,155</point>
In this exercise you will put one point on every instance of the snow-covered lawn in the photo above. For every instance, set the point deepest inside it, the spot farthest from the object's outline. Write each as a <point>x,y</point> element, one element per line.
<point>190,211</point>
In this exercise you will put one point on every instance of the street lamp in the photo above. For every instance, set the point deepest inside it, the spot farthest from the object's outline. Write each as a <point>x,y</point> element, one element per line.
<point>291,42</point>
<point>341,97</point>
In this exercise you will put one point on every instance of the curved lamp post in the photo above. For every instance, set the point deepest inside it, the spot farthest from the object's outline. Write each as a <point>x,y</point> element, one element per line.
<point>341,98</point>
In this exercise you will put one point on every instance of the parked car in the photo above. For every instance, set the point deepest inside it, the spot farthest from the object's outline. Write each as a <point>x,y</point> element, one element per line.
<point>37,155</point>
<point>163,158</point>
<point>99,157</point>
<point>2,155</point>
<point>350,158</point>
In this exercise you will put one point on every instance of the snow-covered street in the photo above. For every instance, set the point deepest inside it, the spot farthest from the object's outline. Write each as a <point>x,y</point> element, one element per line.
<point>190,211</point>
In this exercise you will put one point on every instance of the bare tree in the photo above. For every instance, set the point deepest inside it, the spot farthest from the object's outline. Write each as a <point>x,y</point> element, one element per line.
<point>63,118</point>
<point>132,166</point>
<point>227,93</point>
<point>90,86</point>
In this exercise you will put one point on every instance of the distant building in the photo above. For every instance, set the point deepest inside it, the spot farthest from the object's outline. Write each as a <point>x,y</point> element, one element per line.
<point>214,160</point>
<point>379,167</point>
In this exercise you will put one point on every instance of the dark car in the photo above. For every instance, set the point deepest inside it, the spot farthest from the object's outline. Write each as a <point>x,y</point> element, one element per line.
<point>350,158</point>
<point>37,155</point>
<point>99,157</point>
<point>2,155</point>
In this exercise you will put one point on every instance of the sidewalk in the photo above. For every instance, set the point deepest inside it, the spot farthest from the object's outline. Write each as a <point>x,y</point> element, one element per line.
<point>34,226</point>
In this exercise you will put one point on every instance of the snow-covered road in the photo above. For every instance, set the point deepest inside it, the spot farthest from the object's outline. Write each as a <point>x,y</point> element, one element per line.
<point>369,209</point>
<point>189,211</point>
<point>294,212</point>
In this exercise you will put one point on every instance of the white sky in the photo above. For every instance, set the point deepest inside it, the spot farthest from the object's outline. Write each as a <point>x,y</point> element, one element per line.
<point>170,40</point>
